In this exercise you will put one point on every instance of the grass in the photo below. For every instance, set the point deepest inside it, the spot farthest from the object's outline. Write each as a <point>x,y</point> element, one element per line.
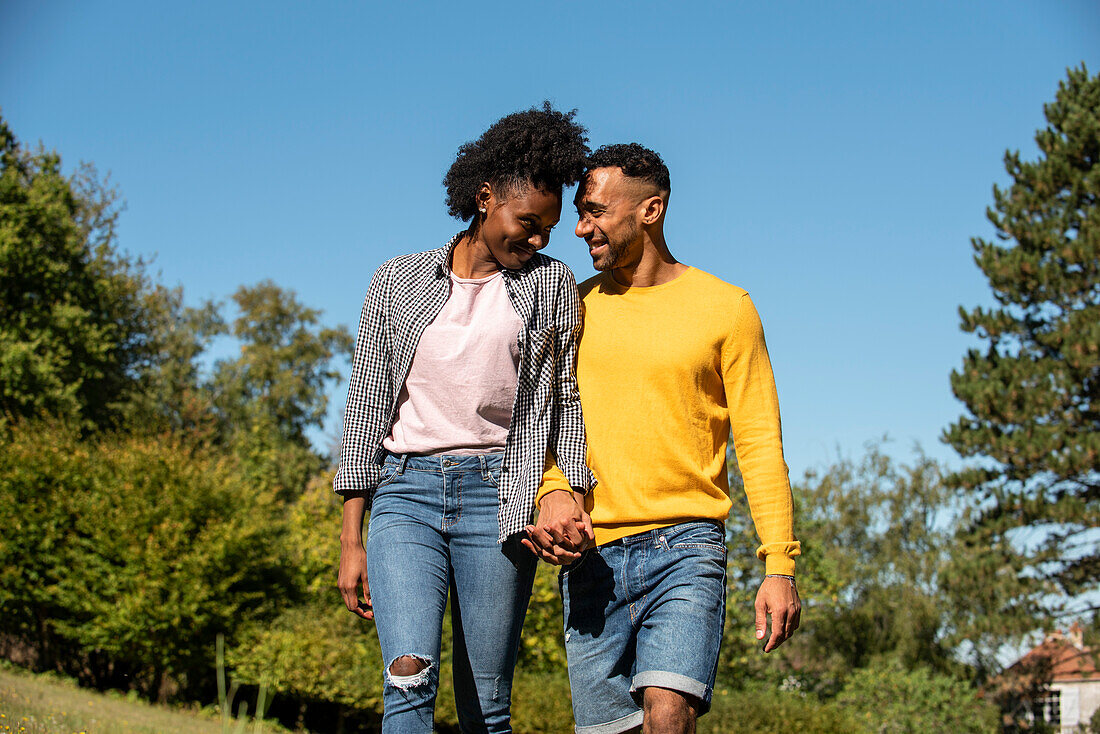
<point>43,704</point>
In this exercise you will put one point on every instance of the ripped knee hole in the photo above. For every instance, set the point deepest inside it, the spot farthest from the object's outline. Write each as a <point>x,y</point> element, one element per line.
<point>407,665</point>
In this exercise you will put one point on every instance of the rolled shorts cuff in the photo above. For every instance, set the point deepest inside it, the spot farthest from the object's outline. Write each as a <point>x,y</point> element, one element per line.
<point>613,727</point>
<point>673,682</point>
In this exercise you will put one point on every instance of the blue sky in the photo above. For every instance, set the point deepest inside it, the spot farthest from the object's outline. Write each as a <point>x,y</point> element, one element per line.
<point>832,158</point>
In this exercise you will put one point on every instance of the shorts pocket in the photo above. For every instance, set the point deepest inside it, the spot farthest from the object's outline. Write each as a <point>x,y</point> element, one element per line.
<point>709,547</point>
<point>575,565</point>
<point>696,536</point>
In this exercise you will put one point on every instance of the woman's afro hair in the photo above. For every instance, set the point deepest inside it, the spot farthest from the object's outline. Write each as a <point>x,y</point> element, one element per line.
<point>542,147</point>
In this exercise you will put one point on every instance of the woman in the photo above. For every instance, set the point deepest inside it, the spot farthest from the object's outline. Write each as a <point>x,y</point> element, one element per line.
<point>462,387</point>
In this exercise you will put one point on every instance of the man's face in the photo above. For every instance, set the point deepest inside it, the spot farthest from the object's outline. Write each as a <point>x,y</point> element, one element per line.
<point>608,218</point>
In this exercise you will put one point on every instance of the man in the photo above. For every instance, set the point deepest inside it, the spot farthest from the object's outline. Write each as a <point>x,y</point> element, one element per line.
<point>670,360</point>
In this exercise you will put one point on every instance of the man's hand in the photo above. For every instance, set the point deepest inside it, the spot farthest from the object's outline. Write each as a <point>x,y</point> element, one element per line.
<point>779,598</point>
<point>353,572</point>
<point>562,531</point>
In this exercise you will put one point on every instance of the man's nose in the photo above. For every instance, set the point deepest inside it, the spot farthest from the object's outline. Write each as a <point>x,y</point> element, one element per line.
<point>539,241</point>
<point>584,227</point>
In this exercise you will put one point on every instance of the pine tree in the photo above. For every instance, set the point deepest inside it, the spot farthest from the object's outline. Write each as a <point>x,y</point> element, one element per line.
<point>1033,393</point>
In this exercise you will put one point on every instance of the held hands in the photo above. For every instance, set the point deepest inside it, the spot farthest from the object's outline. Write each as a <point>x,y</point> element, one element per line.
<point>779,598</point>
<point>353,572</point>
<point>562,531</point>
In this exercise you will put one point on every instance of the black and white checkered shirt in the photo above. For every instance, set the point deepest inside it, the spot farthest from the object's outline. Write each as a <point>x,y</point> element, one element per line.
<point>405,296</point>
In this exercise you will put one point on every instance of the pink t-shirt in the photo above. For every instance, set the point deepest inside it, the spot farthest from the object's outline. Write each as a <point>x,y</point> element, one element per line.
<point>461,386</point>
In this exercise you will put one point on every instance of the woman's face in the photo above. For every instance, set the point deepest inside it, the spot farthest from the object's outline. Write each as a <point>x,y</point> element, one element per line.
<point>518,223</point>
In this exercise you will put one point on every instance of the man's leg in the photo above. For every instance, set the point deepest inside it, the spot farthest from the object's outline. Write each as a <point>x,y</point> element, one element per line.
<point>680,624</point>
<point>599,641</point>
<point>668,712</point>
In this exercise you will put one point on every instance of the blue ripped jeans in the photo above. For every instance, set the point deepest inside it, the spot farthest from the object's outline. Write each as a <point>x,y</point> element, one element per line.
<point>433,528</point>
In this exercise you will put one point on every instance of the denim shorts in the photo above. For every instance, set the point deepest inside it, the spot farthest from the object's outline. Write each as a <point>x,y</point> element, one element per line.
<point>645,610</point>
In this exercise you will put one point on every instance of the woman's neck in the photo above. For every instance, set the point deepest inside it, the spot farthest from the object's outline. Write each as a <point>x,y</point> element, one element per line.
<point>470,257</point>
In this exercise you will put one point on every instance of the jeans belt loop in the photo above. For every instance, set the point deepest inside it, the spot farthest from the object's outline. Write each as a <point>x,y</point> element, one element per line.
<point>401,466</point>
<point>484,467</point>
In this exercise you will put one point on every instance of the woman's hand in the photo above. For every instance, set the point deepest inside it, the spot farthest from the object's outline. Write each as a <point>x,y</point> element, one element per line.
<point>353,557</point>
<point>562,531</point>
<point>353,572</point>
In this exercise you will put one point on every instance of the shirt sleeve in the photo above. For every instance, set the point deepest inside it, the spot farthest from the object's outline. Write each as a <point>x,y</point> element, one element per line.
<point>567,441</point>
<point>367,410</point>
<point>757,435</point>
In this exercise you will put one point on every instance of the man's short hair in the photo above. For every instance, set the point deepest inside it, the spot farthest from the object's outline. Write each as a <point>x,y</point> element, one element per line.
<point>635,161</point>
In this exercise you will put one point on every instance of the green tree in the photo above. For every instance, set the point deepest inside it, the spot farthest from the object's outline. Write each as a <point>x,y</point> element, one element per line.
<point>85,335</point>
<point>284,366</point>
<point>876,536</point>
<point>69,314</point>
<point>275,390</point>
<point>1032,394</point>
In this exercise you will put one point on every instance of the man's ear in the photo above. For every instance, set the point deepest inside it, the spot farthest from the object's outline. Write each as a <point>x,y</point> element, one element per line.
<point>653,209</point>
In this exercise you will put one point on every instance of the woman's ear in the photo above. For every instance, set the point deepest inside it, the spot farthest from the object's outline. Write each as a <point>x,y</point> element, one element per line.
<point>484,198</point>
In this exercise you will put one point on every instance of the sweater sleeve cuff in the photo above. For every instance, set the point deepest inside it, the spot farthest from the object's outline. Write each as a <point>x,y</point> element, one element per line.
<point>552,479</point>
<point>779,557</point>
<point>578,476</point>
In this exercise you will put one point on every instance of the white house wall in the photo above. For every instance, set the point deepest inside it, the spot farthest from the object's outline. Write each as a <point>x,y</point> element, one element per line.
<point>1079,700</point>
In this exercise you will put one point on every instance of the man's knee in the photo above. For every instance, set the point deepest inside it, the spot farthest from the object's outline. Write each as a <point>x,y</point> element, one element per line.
<point>668,712</point>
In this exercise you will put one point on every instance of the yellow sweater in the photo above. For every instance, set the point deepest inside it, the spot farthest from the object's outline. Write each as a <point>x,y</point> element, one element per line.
<point>663,373</point>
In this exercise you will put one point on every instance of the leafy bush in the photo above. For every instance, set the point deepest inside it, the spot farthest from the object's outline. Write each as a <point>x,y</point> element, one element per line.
<point>771,711</point>
<point>129,554</point>
<point>543,645</point>
<point>317,652</point>
<point>541,702</point>
<point>888,699</point>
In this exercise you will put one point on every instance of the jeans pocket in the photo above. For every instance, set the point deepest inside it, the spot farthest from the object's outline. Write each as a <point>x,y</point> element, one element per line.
<point>389,473</point>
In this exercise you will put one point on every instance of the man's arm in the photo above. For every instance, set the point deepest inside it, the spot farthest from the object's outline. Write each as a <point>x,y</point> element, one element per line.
<point>754,419</point>
<point>778,597</point>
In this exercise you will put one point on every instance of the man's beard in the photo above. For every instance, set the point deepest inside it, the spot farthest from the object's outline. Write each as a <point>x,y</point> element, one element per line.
<point>616,248</point>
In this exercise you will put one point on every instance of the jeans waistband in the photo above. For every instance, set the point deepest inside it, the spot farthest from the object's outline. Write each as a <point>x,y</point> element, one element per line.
<point>440,463</point>
<point>651,536</point>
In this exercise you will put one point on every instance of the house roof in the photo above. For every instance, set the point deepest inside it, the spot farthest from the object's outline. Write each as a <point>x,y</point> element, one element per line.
<point>1067,658</point>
